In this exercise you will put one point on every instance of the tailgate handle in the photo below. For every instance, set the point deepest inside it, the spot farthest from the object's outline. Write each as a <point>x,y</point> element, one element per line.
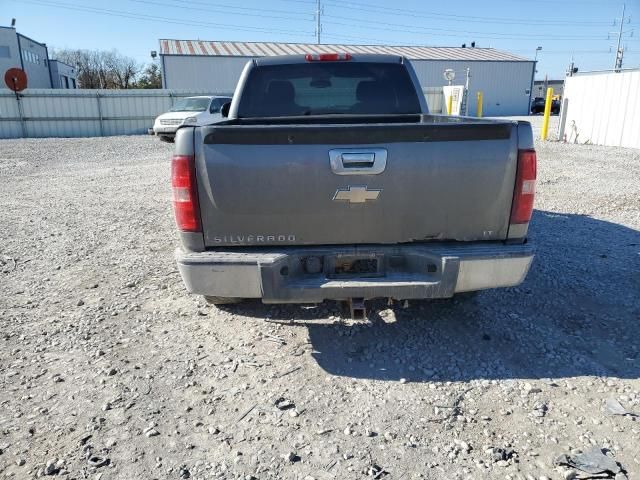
<point>358,160</point>
<point>370,161</point>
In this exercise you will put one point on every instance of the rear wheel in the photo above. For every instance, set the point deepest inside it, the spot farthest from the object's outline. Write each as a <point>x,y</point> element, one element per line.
<point>222,300</point>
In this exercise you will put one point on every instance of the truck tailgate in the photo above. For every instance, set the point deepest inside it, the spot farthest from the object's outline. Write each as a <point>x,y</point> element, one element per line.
<point>328,184</point>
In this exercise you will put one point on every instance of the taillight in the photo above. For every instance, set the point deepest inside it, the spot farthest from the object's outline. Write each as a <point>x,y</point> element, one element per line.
<point>327,57</point>
<point>525,190</point>
<point>185,194</point>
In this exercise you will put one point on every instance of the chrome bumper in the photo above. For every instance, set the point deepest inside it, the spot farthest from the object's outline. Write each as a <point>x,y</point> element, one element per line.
<point>403,271</point>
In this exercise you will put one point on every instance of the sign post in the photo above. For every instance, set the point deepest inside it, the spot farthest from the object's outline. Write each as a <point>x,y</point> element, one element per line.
<point>547,112</point>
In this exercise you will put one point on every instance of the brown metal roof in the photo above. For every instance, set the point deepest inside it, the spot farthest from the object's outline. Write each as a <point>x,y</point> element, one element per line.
<point>269,49</point>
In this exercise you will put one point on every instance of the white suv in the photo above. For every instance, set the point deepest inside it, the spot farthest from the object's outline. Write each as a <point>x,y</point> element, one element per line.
<point>196,111</point>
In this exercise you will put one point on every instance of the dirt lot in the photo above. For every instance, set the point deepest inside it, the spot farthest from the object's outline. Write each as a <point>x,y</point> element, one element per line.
<point>110,370</point>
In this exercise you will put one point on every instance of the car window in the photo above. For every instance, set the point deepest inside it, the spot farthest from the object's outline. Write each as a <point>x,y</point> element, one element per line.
<point>318,88</point>
<point>215,106</point>
<point>191,105</point>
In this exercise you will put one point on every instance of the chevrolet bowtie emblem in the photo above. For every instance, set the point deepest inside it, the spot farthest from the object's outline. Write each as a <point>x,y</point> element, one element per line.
<point>359,194</point>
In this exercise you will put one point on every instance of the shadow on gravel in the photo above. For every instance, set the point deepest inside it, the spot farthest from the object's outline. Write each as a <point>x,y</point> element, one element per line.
<point>578,313</point>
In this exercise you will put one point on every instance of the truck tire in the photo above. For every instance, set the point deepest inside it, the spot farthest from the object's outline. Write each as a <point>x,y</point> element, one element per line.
<point>211,300</point>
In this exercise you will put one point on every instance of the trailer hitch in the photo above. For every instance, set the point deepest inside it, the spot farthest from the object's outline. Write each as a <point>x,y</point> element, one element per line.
<point>357,309</point>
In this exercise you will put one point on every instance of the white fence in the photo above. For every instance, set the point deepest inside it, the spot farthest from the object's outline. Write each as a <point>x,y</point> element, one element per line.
<point>84,113</point>
<point>97,113</point>
<point>602,108</point>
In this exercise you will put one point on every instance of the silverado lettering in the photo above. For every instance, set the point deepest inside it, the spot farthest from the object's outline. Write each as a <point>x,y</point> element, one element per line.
<point>250,239</point>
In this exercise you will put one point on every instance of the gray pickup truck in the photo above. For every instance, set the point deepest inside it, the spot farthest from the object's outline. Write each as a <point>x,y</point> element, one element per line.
<point>330,180</point>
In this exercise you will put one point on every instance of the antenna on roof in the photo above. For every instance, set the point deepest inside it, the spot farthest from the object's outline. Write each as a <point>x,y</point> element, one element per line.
<point>13,23</point>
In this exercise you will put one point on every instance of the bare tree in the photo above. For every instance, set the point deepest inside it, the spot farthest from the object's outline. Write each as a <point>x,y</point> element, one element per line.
<point>99,68</point>
<point>122,70</point>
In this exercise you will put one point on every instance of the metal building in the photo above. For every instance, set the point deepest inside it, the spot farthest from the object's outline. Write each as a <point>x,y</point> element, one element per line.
<point>17,50</point>
<point>63,75</point>
<point>504,78</point>
<point>20,51</point>
<point>540,87</point>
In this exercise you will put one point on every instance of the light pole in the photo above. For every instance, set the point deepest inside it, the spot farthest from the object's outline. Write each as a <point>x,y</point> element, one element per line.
<point>533,74</point>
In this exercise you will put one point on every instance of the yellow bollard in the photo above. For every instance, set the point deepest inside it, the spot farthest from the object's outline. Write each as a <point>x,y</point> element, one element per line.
<point>450,104</point>
<point>479,107</point>
<point>547,112</point>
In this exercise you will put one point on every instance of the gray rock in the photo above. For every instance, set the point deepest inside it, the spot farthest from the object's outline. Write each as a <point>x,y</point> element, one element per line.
<point>184,472</point>
<point>291,457</point>
<point>52,467</point>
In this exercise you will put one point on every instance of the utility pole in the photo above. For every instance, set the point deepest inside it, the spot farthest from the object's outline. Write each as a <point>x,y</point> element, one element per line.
<point>572,69</point>
<point>617,66</point>
<point>465,105</point>
<point>318,24</point>
<point>533,76</point>
<point>618,63</point>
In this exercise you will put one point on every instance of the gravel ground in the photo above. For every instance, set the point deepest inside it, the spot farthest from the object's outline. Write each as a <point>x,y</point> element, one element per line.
<point>110,370</point>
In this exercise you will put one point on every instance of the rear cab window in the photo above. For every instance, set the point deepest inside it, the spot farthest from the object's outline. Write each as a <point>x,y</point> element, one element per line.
<point>325,88</point>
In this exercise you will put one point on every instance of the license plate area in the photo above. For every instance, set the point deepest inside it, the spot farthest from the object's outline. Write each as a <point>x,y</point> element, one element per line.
<point>351,266</point>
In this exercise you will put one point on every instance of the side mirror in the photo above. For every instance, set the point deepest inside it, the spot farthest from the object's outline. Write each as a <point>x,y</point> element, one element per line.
<point>224,111</point>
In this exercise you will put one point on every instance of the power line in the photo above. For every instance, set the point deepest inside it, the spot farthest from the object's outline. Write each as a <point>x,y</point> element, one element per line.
<point>489,35</point>
<point>187,4</point>
<point>307,2</point>
<point>351,5</point>
<point>158,19</point>
<point>494,35</point>
<point>261,14</point>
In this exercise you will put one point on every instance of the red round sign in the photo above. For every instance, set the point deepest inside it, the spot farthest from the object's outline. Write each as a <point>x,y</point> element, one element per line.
<point>16,79</point>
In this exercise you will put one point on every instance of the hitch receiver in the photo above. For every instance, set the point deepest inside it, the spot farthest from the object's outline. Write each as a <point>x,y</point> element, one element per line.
<point>357,309</point>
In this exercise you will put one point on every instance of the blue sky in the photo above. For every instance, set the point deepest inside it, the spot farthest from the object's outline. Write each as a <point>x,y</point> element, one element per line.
<point>560,27</point>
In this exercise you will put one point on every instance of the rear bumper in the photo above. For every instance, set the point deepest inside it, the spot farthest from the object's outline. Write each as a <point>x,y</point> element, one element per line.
<point>402,272</point>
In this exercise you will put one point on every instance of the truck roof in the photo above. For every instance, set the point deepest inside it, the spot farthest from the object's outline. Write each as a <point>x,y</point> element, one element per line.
<point>355,57</point>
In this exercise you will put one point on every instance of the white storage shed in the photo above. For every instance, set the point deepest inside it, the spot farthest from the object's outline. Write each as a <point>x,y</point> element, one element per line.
<point>504,78</point>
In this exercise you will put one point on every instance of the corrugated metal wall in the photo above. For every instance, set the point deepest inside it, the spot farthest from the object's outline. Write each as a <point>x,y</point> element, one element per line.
<point>199,72</point>
<point>85,113</point>
<point>603,108</point>
<point>504,84</point>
